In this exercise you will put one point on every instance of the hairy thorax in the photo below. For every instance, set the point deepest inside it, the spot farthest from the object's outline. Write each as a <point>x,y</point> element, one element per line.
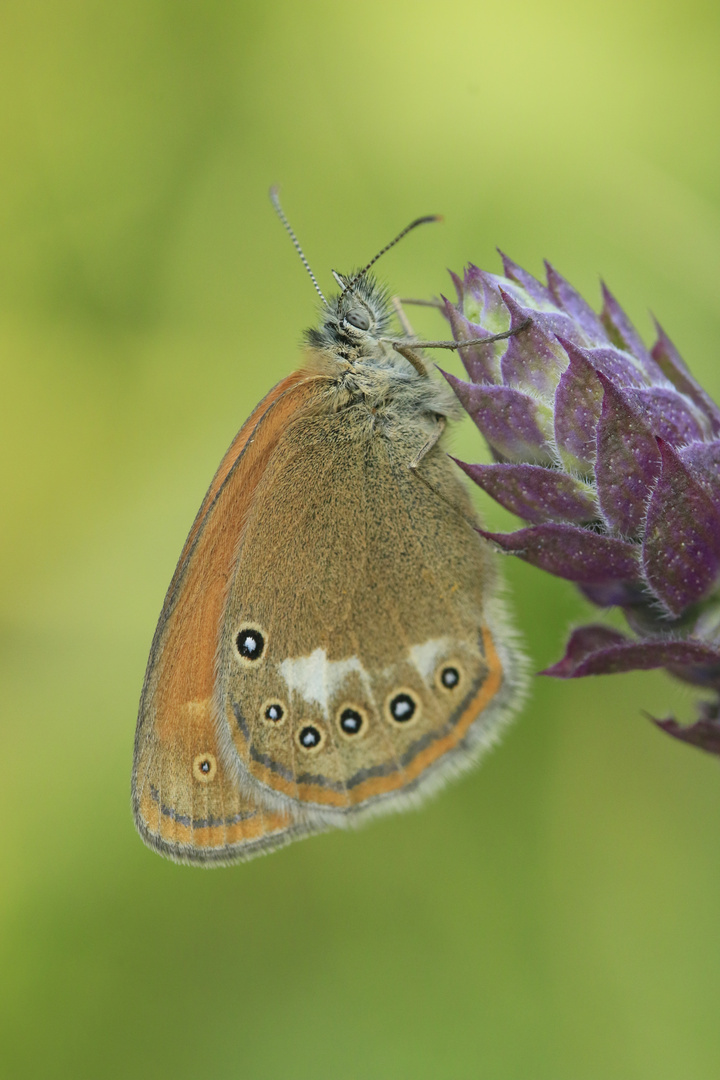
<point>378,391</point>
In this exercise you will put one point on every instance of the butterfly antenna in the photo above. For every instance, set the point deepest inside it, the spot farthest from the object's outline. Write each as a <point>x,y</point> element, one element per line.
<point>275,200</point>
<point>408,228</point>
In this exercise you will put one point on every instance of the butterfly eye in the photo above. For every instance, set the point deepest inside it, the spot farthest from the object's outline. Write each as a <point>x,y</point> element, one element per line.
<point>310,738</point>
<point>403,707</point>
<point>204,768</point>
<point>351,721</point>
<point>358,319</point>
<point>274,711</point>
<point>250,644</point>
<point>449,676</point>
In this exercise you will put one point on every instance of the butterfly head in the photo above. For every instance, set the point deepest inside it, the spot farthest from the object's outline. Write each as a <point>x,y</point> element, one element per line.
<point>354,322</point>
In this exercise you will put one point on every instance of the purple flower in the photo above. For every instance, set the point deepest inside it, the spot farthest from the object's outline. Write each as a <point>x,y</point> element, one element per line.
<point>610,453</point>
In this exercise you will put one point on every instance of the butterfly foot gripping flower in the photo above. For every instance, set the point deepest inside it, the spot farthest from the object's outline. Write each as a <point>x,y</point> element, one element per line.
<point>610,453</point>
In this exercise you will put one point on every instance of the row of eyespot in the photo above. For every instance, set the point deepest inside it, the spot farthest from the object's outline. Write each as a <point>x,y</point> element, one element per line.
<point>402,707</point>
<point>352,721</point>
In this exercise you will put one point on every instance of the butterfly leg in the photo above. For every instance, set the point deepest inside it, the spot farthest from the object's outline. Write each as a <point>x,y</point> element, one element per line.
<point>411,357</point>
<point>422,453</point>
<point>432,441</point>
<point>402,317</point>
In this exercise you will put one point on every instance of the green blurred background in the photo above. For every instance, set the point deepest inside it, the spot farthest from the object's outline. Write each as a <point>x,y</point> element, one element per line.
<point>552,916</point>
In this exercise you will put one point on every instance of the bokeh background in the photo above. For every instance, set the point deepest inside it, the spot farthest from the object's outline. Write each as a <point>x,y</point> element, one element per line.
<point>553,916</point>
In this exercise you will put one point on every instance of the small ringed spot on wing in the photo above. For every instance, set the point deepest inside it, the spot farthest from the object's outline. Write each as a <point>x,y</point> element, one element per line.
<point>449,675</point>
<point>403,707</point>
<point>352,721</point>
<point>273,711</point>
<point>204,767</point>
<point>310,738</point>
<point>250,644</point>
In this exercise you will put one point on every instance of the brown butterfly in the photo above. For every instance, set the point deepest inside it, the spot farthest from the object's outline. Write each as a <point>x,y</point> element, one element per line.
<point>331,644</point>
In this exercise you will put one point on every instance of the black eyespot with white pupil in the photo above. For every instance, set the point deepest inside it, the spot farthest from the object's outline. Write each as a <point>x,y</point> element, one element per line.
<point>358,319</point>
<point>274,712</point>
<point>351,721</point>
<point>309,737</point>
<point>402,708</point>
<point>250,644</point>
<point>449,677</point>
<point>204,768</point>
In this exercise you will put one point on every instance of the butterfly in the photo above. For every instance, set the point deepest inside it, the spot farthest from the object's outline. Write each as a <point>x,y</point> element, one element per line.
<point>332,644</point>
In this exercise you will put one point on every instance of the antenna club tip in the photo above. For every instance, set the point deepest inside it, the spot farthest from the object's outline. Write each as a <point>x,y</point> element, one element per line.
<point>274,192</point>
<point>429,218</point>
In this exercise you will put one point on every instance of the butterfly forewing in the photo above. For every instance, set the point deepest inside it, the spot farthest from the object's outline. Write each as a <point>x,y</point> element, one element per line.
<point>187,804</point>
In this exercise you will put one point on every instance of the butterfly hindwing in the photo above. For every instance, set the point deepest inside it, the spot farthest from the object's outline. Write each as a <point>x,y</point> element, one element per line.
<point>356,653</point>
